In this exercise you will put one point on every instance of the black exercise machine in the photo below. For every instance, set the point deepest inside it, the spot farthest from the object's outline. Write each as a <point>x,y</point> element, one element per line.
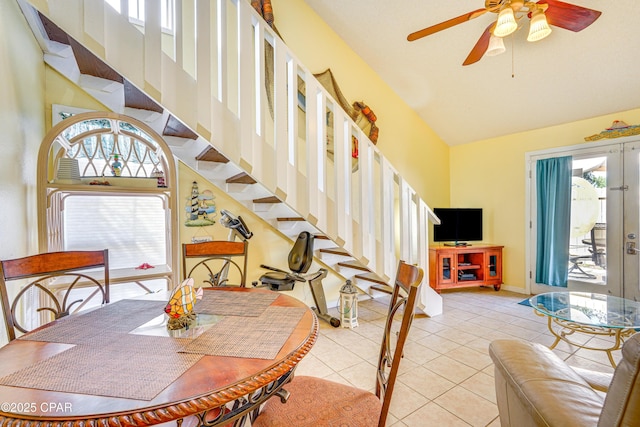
<point>300,259</point>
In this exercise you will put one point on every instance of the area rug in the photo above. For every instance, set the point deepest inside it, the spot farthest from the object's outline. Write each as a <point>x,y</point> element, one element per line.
<point>525,302</point>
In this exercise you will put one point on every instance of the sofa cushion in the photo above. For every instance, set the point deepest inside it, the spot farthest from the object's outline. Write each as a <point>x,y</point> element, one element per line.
<point>550,391</point>
<point>622,404</point>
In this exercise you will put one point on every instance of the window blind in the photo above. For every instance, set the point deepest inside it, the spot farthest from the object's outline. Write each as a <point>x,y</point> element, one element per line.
<point>133,228</point>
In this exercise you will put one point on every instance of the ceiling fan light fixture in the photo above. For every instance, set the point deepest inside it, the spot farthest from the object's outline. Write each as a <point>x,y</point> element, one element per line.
<point>506,23</point>
<point>496,46</point>
<point>538,27</point>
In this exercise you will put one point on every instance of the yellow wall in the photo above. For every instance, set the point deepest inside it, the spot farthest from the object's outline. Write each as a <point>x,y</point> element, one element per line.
<point>488,174</point>
<point>62,91</point>
<point>491,174</point>
<point>420,156</point>
<point>22,124</point>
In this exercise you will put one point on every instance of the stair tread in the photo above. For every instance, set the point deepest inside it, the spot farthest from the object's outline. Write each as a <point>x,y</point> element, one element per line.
<point>354,264</point>
<point>386,288</point>
<point>290,219</point>
<point>371,277</point>
<point>320,237</point>
<point>241,178</point>
<point>210,154</point>
<point>336,250</point>
<point>269,199</point>
<point>175,127</point>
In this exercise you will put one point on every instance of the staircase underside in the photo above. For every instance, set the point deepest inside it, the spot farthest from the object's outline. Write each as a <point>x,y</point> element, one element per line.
<point>225,124</point>
<point>114,90</point>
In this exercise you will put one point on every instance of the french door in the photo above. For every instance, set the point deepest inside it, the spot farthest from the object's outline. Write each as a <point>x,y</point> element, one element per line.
<point>604,245</point>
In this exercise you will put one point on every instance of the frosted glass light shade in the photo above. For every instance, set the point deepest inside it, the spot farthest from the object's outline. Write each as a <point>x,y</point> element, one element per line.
<point>539,27</point>
<point>506,23</point>
<point>496,46</point>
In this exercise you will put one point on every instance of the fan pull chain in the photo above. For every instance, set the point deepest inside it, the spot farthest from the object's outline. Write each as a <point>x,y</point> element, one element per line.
<point>513,62</point>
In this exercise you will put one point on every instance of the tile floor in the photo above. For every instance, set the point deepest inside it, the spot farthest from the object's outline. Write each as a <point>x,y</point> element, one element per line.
<point>446,376</point>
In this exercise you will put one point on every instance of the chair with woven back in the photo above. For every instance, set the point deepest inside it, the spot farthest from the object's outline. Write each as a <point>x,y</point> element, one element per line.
<point>51,285</point>
<point>216,263</point>
<point>313,401</point>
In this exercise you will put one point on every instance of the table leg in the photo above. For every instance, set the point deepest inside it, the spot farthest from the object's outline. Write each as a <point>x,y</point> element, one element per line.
<point>569,328</point>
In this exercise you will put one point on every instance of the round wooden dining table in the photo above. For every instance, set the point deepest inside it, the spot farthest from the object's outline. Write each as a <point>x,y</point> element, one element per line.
<point>119,365</point>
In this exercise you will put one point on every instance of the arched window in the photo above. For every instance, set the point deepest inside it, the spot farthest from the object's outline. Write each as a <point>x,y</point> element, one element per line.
<point>108,181</point>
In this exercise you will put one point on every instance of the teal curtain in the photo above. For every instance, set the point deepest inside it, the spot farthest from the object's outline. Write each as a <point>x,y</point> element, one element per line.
<point>553,183</point>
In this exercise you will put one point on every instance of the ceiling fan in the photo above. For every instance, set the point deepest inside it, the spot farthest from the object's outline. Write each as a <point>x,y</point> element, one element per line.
<point>511,13</point>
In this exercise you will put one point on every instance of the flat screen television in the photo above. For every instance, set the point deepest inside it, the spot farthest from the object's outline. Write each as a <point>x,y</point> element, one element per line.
<point>458,225</point>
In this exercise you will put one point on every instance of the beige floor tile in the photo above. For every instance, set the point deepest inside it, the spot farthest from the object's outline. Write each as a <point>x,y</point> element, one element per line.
<point>479,344</point>
<point>483,385</point>
<point>470,357</point>
<point>361,375</point>
<point>433,415</point>
<point>314,367</point>
<point>370,331</point>
<point>419,353</point>
<point>426,382</point>
<point>405,401</point>
<point>450,369</point>
<point>339,359</point>
<point>456,335</point>
<point>438,343</point>
<point>427,324</point>
<point>468,406</point>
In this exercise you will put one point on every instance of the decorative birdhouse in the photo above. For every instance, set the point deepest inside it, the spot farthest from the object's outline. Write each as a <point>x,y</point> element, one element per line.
<point>348,305</point>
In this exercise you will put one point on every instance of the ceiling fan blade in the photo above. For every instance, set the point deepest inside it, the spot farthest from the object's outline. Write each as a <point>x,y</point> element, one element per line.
<point>569,16</point>
<point>446,24</point>
<point>480,48</point>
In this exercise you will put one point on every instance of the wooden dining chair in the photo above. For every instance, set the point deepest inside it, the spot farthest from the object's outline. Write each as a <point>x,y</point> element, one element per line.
<point>53,285</point>
<point>315,401</point>
<point>219,263</point>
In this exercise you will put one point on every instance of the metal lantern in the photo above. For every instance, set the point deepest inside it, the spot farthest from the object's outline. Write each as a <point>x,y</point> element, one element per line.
<point>348,305</point>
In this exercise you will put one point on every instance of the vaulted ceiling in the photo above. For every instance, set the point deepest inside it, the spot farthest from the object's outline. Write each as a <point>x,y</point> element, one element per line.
<point>563,78</point>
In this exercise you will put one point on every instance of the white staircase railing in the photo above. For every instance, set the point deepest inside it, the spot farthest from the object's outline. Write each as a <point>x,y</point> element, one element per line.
<point>212,72</point>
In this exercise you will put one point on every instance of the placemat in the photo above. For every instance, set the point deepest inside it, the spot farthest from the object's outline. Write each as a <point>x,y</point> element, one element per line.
<point>245,304</point>
<point>118,317</point>
<point>259,337</point>
<point>132,366</point>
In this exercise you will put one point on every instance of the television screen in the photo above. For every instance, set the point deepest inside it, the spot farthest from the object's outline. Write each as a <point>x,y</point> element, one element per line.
<point>458,225</point>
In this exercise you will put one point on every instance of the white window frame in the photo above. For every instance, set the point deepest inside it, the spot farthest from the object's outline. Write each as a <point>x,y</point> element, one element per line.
<point>52,194</point>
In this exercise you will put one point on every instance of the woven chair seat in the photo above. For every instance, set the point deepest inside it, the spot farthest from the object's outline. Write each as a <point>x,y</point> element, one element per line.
<point>340,405</point>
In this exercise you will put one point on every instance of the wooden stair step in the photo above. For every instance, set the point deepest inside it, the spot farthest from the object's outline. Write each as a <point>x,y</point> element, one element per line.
<point>336,251</point>
<point>386,289</point>
<point>355,265</point>
<point>210,154</point>
<point>320,237</point>
<point>269,199</point>
<point>241,178</point>
<point>370,277</point>
<point>290,219</point>
<point>175,127</point>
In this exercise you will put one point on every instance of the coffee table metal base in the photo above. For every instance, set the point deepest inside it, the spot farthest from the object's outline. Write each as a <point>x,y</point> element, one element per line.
<point>569,328</point>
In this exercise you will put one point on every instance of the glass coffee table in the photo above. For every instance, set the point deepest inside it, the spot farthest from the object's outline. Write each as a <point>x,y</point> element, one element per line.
<point>588,313</point>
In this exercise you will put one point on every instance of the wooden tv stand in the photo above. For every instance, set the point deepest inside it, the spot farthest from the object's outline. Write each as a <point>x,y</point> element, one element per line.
<point>464,266</point>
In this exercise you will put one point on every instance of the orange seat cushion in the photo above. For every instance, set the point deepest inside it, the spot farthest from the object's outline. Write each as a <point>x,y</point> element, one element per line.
<point>318,402</point>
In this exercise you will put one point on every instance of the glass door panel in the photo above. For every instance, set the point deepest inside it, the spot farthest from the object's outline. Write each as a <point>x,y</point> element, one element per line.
<point>446,269</point>
<point>631,221</point>
<point>587,244</point>
<point>596,216</point>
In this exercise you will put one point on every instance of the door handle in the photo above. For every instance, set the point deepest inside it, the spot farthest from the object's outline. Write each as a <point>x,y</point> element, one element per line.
<point>631,248</point>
